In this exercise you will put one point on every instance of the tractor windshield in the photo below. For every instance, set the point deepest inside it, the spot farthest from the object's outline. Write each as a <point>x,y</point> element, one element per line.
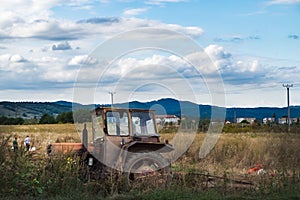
<point>143,124</point>
<point>117,123</point>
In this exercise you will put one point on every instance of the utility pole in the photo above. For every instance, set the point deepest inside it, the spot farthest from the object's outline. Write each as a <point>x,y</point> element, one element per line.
<point>234,117</point>
<point>287,86</point>
<point>112,97</point>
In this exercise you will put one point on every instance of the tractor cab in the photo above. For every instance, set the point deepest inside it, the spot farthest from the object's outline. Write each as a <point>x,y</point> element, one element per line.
<point>124,124</point>
<point>119,130</point>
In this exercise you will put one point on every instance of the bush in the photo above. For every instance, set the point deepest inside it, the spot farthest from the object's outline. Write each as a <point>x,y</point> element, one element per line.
<point>47,119</point>
<point>65,117</point>
<point>11,121</point>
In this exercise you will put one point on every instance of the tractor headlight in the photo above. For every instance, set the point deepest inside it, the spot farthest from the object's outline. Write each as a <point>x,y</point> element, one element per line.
<point>90,162</point>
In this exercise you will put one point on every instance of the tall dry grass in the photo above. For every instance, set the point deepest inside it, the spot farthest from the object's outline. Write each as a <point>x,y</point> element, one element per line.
<point>34,176</point>
<point>234,155</point>
<point>237,152</point>
<point>242,151</point>
<point>41,134</point>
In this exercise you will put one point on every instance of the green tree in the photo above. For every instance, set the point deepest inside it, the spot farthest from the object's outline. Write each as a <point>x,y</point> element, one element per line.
<point>17,121</point>
<point>82,115</point>
<point>3,120</point>
<point>47,119</point>
<point>11,121</point>
<point>244,122</point>
<point>31,121</point>
<point>65,117</point>
<point>203,125</point>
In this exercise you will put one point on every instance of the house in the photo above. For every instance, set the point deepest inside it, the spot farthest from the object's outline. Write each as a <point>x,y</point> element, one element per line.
<point>284,120</point>
<point>163,119</point>
<point>249,119</point>
<point>269,120</point>
<point>295,120</point>
<point>227,122</point>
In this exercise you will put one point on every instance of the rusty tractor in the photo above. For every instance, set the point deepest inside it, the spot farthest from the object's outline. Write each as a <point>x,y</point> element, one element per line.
<point>124,141</point>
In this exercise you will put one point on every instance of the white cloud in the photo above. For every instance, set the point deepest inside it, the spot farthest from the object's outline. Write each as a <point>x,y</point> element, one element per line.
<point>250,66</point>
<point>132,71</point>
<point>31,24</point>
<point>16,67</point>
<point>163,2</point>
<point>284,74</point>
<point>61,46</point>
<point>68,30</point>
<point>284,2</point>
<point>42,72</point>
<point>8,18</point>
<point>45,29</point>
<point>31,10</point>
<point>34,19</point>
<point>58,75</point>
<point>112,26</point>
<point>134,12</point>
<point>217,52</point>
<point>226,62</point>
<point>26,10</point>
<point>5,57</point>
<point>15,58</point>
<point>46,60</point>
<point>82,60</point>
<point>151,67</point>
<point>219,56</point>
<point>192,31</point>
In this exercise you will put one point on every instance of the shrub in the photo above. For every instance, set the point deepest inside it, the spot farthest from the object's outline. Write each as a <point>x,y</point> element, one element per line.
<point>47,119</point>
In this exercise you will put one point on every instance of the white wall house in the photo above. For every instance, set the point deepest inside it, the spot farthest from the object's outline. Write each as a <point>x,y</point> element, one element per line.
<point>283,120</point>
<point>249,119</point>
<point>162,119</point>
<point>268,120</point>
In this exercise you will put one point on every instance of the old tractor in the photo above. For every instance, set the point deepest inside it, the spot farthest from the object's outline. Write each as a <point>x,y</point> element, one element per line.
<point>122,140</point>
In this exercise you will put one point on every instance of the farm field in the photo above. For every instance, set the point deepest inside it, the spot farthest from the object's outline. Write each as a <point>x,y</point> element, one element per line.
<point>223,174</point>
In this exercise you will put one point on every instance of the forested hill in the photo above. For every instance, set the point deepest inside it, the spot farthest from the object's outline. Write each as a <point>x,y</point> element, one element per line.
<point>172,106</point>
<point>29,110</point>
<point>32,109</point>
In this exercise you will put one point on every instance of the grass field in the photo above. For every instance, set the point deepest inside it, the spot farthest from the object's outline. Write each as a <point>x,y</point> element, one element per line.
<point>216,176</point>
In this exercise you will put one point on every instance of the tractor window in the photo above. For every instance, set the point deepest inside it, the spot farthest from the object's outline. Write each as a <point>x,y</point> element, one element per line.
<point>98,132</point>
<point>143,123</point>
<point>117,123</point>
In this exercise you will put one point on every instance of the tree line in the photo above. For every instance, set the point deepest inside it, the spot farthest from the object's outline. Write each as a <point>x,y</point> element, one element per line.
<point>62,118</point>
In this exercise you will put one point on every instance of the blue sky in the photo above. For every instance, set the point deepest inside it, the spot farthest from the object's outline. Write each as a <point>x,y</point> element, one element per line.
<point>254,45</point>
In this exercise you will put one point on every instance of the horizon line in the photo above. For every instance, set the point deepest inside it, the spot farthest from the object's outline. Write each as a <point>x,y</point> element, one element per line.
<point>232,107</point>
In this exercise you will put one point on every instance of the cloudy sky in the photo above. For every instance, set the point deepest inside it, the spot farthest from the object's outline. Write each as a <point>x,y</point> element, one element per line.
<point>49,49</point>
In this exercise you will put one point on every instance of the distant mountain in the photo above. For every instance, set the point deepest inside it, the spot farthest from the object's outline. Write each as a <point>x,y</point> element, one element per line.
<point>64,103</point>
<point>175,107</point>
<point>171,107</point>
<point>162,106</point>
<point>31,109</point>
<point>74,105</point>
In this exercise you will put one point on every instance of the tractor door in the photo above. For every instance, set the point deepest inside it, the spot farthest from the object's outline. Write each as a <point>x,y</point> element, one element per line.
<point>117,131</point>
<point>98,135</point>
